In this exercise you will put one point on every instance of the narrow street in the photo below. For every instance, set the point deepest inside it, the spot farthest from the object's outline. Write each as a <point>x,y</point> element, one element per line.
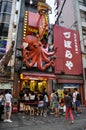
<point>22,121</point>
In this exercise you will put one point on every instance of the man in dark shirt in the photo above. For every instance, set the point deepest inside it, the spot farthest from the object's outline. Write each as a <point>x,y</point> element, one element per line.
<point>68,103</point>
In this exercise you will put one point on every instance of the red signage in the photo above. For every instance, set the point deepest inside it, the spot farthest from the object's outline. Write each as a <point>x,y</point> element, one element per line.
<point>33,19</point>
<point>68,59</point>
<point>32,26</point>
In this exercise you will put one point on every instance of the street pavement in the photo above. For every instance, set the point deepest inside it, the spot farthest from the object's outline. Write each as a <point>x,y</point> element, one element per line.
<point>22,121</point>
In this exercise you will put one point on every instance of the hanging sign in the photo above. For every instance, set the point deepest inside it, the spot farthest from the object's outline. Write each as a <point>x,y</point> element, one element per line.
<point>68,59</point>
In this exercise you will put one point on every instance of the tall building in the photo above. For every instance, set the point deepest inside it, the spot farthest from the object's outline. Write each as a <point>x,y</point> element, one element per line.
<point>73,16</point>
<point>5,43</point>
<point>9,19</point>
<point>24,20</point>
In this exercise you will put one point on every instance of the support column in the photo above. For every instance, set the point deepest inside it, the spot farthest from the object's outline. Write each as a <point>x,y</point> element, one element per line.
<point>49,87</point>
<point>85,91</point>
<point>15,86</point>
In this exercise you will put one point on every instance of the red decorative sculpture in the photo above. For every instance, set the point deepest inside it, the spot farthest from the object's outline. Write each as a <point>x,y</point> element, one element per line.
<point>35,52</point>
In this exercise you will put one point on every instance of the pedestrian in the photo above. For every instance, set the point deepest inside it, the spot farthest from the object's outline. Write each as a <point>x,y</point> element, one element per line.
<point>56,103</point>
<point>7,107</point>
<point>61,106</point>
<point>68,103</point>
<point>78,103</point>
<point>46,104</point>
<point>32,97</point>
<point>1,105</point>
<point>74,99</point>
<point>41,104</point>
<point>26,102</point>
<point>52,107</point>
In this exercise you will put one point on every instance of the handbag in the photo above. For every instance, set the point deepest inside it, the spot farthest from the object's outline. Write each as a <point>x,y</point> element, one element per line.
<point>7,104</point>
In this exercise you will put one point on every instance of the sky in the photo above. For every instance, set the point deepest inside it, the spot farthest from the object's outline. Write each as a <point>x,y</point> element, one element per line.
<point>51,16</point>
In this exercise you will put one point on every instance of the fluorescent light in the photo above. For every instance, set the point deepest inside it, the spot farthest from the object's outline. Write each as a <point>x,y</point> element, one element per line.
<point>31,2</point>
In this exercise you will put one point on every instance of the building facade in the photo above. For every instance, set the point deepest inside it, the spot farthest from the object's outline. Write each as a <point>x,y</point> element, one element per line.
<point>73,16</point>
<point>21,18</point>
<point>9,19</point>
<point>25,77</point>
<point>6,7</point>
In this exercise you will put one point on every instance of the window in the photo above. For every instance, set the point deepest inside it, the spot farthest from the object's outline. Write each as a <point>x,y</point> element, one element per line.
<point>84,31</point>
<point>5,6</point>
<point>83,16</point>
<point>82,2</point>
<point>4,29</point>
<point>84,48</point>
<point>5,12</point>
<point>4,18</point>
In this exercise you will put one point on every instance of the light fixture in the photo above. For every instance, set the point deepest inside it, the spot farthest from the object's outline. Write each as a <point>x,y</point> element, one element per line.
<point>31,2</point>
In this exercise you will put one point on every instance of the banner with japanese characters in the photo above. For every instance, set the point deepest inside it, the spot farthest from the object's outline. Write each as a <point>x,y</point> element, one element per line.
<point>68,56</point>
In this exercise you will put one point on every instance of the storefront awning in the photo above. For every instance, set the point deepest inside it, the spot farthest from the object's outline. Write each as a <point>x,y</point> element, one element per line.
<point>37,76</point>
<point>70,81</point>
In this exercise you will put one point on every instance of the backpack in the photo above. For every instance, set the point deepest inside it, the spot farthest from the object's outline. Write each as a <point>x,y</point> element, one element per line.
<point>78,97</point>
<point>0,101</point>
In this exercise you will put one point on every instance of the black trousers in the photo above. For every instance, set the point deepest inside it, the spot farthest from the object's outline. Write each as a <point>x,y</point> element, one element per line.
<point>1,111</point>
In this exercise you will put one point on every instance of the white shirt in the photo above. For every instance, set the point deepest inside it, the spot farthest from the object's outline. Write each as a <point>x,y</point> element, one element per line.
<point>26,97</point>
<point>46,98</point>
<point>74,96</point>
<point>8,97</point>
<point>32,97</point>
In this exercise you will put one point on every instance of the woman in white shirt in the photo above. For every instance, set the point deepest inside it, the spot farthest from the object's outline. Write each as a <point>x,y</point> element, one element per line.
<point>32,103</point>
<point>26,102</point>
<point>7,107</point>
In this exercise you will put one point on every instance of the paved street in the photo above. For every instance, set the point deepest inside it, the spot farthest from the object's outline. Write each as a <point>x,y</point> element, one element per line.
<point>23,121</point>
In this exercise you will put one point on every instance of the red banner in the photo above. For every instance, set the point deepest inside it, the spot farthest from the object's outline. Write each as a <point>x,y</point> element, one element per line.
<point>68,59</point>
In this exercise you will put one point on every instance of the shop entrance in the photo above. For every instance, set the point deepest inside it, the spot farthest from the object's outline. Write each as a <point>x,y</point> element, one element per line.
<point>29,86</point>
<point>34,85</point>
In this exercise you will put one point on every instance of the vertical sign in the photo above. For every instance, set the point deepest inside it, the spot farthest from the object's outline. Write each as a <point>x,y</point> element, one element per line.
<point>68,59</point>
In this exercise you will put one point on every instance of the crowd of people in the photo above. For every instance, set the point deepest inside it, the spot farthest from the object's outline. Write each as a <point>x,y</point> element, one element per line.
<point>70,102</point>
<point>37,103</point>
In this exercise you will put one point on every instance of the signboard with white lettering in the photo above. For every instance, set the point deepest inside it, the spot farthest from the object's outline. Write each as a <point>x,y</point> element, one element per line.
<point>68,55</point>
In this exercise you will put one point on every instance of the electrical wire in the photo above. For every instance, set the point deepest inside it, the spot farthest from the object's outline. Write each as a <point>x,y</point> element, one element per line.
<point>61,10</point>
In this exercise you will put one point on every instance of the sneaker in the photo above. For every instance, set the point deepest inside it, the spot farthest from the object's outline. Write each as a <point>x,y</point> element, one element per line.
<point>5,120</point>
<point>45,115</point>
<point>9,121</point>
<point>72,122</point>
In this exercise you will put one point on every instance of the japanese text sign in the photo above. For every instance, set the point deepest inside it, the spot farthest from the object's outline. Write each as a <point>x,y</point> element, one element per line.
<point>68,59</point>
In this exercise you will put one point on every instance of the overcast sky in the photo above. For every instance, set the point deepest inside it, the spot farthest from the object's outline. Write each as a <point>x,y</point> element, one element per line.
<point>51,16</point>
